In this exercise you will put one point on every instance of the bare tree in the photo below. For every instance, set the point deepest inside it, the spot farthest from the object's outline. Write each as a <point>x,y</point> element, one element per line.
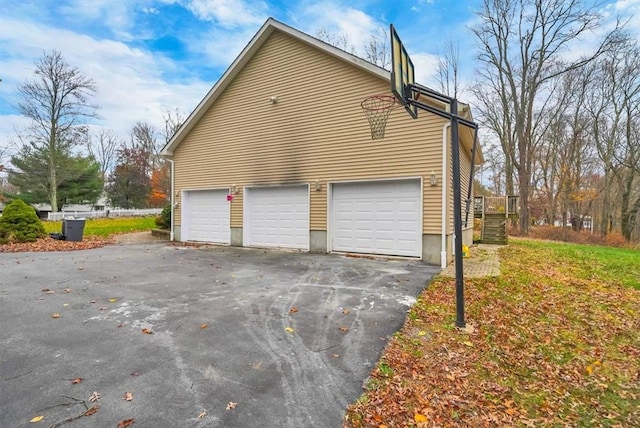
<point>448,72</point>
<point>144,136</point>
<point>341,41</point>
<point>376,50</point>
<point>57,102</point>
<point>615,111</point>
<point>522,43</point>
<point>104,148</point>
<point>173,120</point>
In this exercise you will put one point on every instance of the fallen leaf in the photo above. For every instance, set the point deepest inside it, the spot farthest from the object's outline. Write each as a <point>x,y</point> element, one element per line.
<point>231,405</point>
<point>46,290</point>
<point>345,311</point>
<point>293,310</point>
<point>422,333</point>
<point>95,396</point>
<point>113,300</point>
<point>467,343</point>
<point>65,304</point>
<point>344,329</point>
<point>67,290</point>
<point>91,411</point>
<point>104,308</point>
<point>147,331</point>
<point>127,396</point>
<point>134,374</point>
<point>92,301</point>
<point>55,315</point>
<point>37,419</point>
<point>77,380</point>
<point>419,417</point>
<point>126,423</point>
<point>203,326</point>
<point>202,414</point>
<point>289,330</point>
<point>122,324</point>
<point>336,355</point>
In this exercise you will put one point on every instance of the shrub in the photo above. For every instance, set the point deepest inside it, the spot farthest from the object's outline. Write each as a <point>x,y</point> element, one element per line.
<point>163,221</point>
<point>19,223</point>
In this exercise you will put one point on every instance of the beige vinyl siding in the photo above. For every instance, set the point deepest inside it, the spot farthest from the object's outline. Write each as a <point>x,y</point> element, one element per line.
<point>465,169</point>
<point>316,131</point>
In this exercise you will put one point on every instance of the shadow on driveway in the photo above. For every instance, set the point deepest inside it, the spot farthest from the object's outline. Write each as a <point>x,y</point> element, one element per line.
<point>289,337</point>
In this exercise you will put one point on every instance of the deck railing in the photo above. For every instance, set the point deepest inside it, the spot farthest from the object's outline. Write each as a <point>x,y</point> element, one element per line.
<point>507,205</point>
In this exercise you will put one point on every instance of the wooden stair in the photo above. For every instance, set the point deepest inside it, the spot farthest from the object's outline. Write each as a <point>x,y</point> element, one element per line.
<point>494,229</point>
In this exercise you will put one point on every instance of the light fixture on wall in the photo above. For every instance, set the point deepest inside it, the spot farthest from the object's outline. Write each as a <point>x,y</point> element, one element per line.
<point>433,179</point>
<point>273,99</point>
<point>234,189</point>
<point>318,186</point>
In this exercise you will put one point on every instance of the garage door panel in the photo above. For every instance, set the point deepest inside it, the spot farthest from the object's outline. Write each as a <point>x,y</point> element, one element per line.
<point>207,216</point>
<point>277,217</point>
<point>377,217</point>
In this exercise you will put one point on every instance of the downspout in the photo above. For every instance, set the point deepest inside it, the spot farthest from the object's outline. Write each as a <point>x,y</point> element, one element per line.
<point>445,174</point>
<point>172,199</point>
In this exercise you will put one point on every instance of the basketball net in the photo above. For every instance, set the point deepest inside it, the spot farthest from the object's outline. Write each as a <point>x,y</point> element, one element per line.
<point>377,108</point>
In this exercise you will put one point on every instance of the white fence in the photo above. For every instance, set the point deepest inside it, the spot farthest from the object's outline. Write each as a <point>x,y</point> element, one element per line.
<point>103,213</point>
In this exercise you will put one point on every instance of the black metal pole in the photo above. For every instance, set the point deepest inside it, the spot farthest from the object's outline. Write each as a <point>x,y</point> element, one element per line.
<point>457,214</point>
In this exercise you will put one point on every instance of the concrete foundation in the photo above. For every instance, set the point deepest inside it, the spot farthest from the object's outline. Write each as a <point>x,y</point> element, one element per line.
<point>431,249</point>
<point>176,233</point>
<point>236,237</point>
<point>467,236</point>
<point>318,241</point>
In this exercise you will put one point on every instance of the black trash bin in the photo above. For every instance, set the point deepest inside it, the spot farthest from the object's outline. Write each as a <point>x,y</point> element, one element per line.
<point>72,229</point>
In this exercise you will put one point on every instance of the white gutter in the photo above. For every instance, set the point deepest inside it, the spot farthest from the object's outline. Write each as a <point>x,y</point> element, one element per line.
<point>172,198</point>
<point>445,174</point>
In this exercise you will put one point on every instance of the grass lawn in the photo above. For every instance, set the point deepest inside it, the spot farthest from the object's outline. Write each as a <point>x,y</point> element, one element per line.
<point>556,343</point>
<point>107,226</point>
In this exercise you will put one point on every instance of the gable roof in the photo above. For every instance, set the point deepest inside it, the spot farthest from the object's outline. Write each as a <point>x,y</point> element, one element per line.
<point>245,56</point>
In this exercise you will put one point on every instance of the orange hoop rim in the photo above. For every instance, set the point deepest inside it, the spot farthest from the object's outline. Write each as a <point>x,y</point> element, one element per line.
<point>386,102</point>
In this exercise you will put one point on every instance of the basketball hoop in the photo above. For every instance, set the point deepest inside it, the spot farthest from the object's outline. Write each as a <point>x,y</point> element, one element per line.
<point>377,109</point>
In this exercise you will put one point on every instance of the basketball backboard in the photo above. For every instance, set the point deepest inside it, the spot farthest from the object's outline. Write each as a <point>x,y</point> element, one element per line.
<point>402,72</point>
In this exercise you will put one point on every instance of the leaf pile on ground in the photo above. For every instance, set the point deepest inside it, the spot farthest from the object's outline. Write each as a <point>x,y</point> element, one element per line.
<point>556,343</point>
<point>50,244</point>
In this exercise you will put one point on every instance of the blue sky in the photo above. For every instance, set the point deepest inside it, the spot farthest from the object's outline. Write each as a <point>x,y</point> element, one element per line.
<point>151,56</point>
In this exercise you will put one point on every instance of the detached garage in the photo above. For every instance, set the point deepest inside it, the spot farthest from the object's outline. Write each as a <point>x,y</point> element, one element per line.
<point>262,163</point>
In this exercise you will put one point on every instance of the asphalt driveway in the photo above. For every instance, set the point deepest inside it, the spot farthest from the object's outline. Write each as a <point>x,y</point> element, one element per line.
<point>289,337</point>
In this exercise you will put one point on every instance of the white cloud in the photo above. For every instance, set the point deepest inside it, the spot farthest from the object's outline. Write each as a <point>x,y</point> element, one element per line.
<point>221,46</point>
<point>340,20</point>
<point>229,13</point>
<point>116,15</point>
<point>426,67</point>
<point>130,82</point>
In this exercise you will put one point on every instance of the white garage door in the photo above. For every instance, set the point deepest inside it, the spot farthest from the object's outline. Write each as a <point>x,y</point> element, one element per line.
<point>381,217</point>
<point>276,217</point>
<point>205,216</point>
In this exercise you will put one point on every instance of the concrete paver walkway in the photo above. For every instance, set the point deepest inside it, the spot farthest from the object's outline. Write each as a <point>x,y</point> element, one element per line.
<point>483,261</point>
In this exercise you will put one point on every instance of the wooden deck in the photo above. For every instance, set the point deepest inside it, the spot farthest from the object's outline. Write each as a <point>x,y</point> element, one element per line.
<point>495,211</point>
